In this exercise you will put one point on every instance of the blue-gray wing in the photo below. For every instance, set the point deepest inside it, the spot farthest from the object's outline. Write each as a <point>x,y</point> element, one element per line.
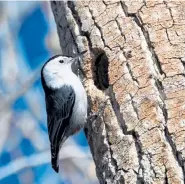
<point>59,107</point>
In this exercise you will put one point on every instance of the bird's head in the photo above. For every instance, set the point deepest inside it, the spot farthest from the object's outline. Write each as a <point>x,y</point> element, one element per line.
<point>57,63</point>
<point>57,68</point>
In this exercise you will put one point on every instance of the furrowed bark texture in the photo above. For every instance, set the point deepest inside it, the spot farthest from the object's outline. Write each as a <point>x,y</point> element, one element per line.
<point>134,66</point>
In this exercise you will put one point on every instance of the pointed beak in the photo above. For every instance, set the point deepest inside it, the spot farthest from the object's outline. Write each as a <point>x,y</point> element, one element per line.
<point>77,56</point>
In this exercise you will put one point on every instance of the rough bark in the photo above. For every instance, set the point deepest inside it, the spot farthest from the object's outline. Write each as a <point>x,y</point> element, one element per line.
<point>135,66</point>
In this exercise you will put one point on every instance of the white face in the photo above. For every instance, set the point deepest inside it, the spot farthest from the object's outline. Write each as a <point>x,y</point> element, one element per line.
<point>56,70</point>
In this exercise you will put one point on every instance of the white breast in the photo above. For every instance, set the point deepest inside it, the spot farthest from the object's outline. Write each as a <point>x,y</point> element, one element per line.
<point>80,107</point>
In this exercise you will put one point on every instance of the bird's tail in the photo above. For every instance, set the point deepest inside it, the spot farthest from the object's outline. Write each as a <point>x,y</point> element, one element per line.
<point>54,158</point>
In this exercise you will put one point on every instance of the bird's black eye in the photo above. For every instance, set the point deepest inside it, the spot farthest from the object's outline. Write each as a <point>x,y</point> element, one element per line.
<point>61,61</point>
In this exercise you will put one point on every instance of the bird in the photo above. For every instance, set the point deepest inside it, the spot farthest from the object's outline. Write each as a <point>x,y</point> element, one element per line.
<point>66,102</point>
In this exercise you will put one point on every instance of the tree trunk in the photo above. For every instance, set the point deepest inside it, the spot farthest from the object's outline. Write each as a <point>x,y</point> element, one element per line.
<point>134,66</point>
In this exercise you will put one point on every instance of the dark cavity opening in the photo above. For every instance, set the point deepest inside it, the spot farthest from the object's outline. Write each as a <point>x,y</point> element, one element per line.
<point>100,69</point>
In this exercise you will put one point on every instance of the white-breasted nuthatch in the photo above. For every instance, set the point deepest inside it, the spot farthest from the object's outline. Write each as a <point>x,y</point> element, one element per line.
<point>66,102</point>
